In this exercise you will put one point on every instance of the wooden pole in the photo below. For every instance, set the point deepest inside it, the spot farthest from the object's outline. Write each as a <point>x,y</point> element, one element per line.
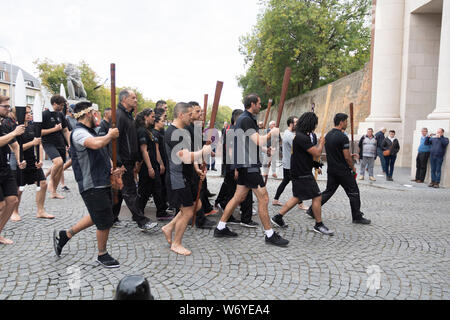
<point>266,118</point>
<point>351,129</point>
<point>324,122</point>
<point>212,120</point>
<point>113,113</point>
<point>284,89</point>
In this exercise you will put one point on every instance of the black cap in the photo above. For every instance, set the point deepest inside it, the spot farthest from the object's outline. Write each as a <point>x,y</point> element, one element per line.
<point>133,288</point>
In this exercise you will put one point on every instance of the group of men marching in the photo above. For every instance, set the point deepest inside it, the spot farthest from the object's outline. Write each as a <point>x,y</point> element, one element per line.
<point>167,163</point>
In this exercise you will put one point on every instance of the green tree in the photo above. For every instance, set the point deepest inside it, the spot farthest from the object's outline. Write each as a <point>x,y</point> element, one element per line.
<point>321,40</point>
<point>223,114</point>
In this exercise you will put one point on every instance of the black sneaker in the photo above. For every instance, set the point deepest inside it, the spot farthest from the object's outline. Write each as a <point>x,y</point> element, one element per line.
<point>59,241</point>
<point>278,221</point>
<point>323,230</point>
<point>207,224</point>
<point>107,261</point>
<point>310,213</point>
<point>277,240</point>
<point>251,224</point>
<point>224,233</point>
<point>233,220</point>
<point>361,220</point>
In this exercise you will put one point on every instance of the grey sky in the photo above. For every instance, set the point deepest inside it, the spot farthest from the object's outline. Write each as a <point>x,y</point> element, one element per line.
<point>168,49</point>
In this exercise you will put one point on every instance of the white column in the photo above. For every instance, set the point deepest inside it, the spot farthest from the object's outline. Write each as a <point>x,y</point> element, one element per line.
<point>442,110</point>
<point>387,61</point>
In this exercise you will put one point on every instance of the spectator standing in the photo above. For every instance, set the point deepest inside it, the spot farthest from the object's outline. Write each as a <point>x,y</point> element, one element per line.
<point>422,157</point>
<point>439,145</point>
<point>390,149</point>
<point>380,138</point>
<point>367,154</point>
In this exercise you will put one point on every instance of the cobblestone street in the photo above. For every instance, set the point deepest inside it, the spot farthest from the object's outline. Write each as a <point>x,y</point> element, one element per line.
<point>408,241</point>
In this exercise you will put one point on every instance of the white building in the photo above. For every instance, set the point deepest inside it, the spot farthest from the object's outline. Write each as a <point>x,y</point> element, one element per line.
<point>411,74</point>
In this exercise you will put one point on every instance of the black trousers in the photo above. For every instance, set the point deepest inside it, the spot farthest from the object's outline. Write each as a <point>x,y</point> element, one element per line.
<point>163,187</point>
<point>348,182</point>
<point>129,194</point>
<point>150,187</point>
<point>284,183</point>
<point>226,193</point>
<point>421,165</point>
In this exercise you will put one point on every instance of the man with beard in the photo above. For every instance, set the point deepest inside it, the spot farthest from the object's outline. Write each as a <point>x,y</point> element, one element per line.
<point>341,169</point>
<point>249,172</point>
<point>179,175</point>
<point>92,170</point>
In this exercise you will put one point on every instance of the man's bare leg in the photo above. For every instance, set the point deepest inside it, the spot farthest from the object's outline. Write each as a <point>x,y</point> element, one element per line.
<point>238,198</point>
<point>40,199</point>
<point>263,207</point>
<point>317,208</point>
<point>15,215</point>
<point>81,225</point>
<point>292,202</point>
<point>186,213</point>
<point>102,239</point>
<point>7,207</point>
<point>57,170</point>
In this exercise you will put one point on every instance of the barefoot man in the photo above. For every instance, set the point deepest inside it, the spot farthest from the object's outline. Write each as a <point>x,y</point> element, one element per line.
<point>179,175</point>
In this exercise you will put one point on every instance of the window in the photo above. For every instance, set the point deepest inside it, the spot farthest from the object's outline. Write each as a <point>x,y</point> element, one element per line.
<point>29,83</point>
<point>2,75</point>
<point>30,100</point>
<point>4,92</point>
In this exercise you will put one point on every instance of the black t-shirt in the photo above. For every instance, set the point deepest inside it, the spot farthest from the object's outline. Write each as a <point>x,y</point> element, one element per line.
<point>248,124</point>
<point>147,138</point>
<point>28,136</point>
<point>159,135</point>
<point>335,142</point>
<point>178,174</point>
<point>301,159</point>
<point>49,120</point>
<point>5,128</point>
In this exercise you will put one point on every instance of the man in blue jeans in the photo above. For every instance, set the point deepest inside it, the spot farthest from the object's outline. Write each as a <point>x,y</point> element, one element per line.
<point>380,138</point>
<point>439,145</point>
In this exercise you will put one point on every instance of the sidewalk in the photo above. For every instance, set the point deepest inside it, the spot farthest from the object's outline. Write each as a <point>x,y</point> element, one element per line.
<point>402,178</point>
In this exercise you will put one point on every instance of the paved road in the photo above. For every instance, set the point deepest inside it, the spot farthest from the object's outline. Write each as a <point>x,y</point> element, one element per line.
<point>408,243</point>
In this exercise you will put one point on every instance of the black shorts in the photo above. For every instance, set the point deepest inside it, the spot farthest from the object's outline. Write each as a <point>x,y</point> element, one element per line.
<point>305,188</point>
<point>99,204</point>
<point>8,185</point>
<point>55,151</point>
<point>30,176</point>
<point>251,180</point>
<point>182,197</point>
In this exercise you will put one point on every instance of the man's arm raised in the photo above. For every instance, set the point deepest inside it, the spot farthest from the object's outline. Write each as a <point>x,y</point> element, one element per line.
<point>96,143</point>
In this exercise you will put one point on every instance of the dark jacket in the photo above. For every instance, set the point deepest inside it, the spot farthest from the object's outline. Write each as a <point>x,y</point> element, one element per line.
<point>380,138</point>
<point>127,143</point>
<point>438,146</point>
<point>389,145</point>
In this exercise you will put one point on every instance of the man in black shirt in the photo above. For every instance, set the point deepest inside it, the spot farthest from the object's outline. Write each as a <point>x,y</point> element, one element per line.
<point>8,184</point>
<point>127,158</point>
<point>304,186</point>
<point>55,139</point>
<point>341,169</point>
<point>180,174</point>
<point>248,142</point>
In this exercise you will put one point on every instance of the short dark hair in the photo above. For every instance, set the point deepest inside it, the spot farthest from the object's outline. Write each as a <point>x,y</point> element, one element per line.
<point>107,109</point>
<point>291,120</point>
<point>80,106</point>
<point>370,129</point>
<point>160,103</point>
<point>159,111</point>
<point>251,98</point>
<point>57,99</point>
<point>338,118</point>
<point>180,107</point>
<point>194,104</point>
<point>393,131</point>
<point>235,115</point>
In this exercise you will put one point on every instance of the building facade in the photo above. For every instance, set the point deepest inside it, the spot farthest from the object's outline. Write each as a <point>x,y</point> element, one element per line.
<point>411,74</point>
<point>31,83</point>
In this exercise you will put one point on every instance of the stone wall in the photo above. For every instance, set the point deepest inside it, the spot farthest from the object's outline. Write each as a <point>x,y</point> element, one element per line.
<point>352,88</point>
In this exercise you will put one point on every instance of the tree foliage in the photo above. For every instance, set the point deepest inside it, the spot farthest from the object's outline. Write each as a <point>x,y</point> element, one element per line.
<point>321,40</point>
